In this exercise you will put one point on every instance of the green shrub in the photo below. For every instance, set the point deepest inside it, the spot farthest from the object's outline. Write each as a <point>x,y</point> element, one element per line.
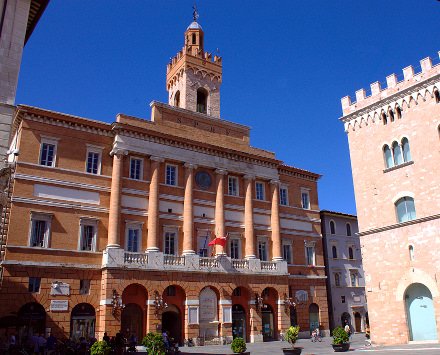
<point>100,348</point>
<point>340,336</point>
<point>154,344</point>
<point>292,334</point>
<point>238,345</point>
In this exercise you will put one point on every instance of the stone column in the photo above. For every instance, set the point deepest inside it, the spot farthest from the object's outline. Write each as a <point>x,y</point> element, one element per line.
<point>275,222</point>
<point>153,206</point>
<point>188,211</point>
<point>220,209</point>
<point>249,217</point>
<point>115,199</point>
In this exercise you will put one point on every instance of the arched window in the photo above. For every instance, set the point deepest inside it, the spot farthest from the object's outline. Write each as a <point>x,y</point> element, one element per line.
<point>334,252</point>
<point>405,209</point>
<point>177,99</point>
<point>391,115</point>
<point>384,118</point>
<point>411,252</point>
<point>194,40</point>
<point>397,153</point>
<point>398,112</point>
<point>348,227</point>
<point>406,151</point>
<point>350,253</point>
<point>332,227</point>
<point>202,97</point>
<point>436,96</point>
<point>388,156</point>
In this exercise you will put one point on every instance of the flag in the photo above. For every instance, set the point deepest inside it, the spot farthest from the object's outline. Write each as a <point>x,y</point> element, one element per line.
<point>218,241</point>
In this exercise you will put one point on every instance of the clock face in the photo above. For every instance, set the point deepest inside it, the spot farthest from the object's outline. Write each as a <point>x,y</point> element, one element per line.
<point>203,180</point>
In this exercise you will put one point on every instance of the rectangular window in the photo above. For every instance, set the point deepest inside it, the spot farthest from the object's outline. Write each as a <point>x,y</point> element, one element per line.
<point>40,230</point>
<point>234,247</point>
<point>133,239</point>
<point>136,168</point>
<point>84,287</point>
<point>38,236</point>
<point>88,231</point>
<point>34,284</point>
<point>93,162</point>
<point>283,196</point>
<point>310,254</point>
<point>170,243</point>
<point>287,253</point>
<point>305,200</point>
<point>337,280</point>
<point>342,299</point>
<point>259,191</point>
<point>262,250</point>
<point>202,243</point>
<point>47,154</point>
<point>232,186</point>
<point>171,175</point>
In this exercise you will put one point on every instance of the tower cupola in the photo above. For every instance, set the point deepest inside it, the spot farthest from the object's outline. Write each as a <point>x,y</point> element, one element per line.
<point>193,76</point>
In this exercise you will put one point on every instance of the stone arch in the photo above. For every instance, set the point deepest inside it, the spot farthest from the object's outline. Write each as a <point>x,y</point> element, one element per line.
<point>82,321</point>
<point>135,293</point>
<point>415,276</point>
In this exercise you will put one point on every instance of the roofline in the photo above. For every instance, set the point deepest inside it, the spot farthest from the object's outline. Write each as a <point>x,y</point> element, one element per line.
<point>341,214</point>
<point>34,17</point>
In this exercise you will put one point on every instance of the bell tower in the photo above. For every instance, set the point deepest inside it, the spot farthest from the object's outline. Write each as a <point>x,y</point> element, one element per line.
<point>193,76</point>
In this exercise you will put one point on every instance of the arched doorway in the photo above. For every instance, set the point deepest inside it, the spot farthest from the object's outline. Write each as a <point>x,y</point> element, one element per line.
<point>132,321</point>
<point>313,316</point>
<point>82,322</point>
<point>357,322</point>
<point>172,322</point>
<point>238,321</point>
<point>134,297</point>
<point>420,313</point>
<point>267,320</point>
<point>32,320</point>
<point>345,319</point>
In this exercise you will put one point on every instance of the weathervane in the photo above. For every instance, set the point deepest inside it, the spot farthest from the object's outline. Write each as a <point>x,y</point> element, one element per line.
<point>195,13</point>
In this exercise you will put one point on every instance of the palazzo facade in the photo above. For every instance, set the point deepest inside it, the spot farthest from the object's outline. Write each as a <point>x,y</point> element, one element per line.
<point>394,148</point>
<point>110,223</point>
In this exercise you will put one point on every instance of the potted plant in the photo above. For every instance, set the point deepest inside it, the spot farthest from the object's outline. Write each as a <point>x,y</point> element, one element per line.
<point>291,336</point>
<point>100,348</point>
<point>340,340</point>
<point>154,344</point>
<point>238,346</point>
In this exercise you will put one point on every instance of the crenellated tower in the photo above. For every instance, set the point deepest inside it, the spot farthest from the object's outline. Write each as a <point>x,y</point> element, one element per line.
<point>193,76</point>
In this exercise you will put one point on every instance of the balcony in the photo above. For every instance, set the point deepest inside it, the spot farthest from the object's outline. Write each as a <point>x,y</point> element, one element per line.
<point>119,258</point>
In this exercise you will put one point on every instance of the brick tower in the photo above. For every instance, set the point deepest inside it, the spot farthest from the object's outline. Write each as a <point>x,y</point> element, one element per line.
<point>193,78</point>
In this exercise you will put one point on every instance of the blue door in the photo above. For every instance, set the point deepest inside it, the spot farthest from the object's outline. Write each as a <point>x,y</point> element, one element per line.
<point>420,313</point>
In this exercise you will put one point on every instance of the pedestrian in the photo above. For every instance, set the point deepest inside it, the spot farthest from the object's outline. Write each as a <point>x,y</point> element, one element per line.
<point>347,329</point>
<point>51,343</point>
<point>106,338</point>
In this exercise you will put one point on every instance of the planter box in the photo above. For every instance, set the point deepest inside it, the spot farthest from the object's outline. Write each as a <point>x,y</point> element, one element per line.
<point>341,347</point>
<point>292,351</point>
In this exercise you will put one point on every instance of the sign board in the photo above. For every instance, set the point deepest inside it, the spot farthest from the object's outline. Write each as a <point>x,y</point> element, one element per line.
<point>59,288</point>
<point>59,306</point>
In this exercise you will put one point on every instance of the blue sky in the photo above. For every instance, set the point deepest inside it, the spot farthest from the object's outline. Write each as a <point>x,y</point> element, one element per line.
<point>286,65</point>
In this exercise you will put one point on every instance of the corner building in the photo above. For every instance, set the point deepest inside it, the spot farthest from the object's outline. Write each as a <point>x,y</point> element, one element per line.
<point>394,147</point>
<point>110,223</point>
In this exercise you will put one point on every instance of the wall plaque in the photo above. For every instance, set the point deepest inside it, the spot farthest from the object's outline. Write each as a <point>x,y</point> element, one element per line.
<point>59,305</point>
<point>301,296</point>
<point>208,305</point>
<point>59,288</point>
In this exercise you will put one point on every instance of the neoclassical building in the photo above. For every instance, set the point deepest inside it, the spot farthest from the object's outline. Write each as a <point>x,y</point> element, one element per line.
<point>394,147</point>
<point>345,274</point>
<point>110,223</point>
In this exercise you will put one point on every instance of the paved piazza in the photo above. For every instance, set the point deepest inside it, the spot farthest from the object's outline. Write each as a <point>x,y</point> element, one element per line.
<point>309,348</point>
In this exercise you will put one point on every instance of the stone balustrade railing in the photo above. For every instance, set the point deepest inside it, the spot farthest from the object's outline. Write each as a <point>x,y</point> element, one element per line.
<point>119,258</point>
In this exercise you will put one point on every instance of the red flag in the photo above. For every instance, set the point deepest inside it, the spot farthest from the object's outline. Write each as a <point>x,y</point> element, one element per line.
<point>218,241</point>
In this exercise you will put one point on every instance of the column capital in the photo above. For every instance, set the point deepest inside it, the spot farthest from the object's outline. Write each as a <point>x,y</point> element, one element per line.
<point>274,182</point>
<point>249,177</point>
<point>221,171</point>
<point>190,166</point>
<point>158,159</point>
<point>118,151</point>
